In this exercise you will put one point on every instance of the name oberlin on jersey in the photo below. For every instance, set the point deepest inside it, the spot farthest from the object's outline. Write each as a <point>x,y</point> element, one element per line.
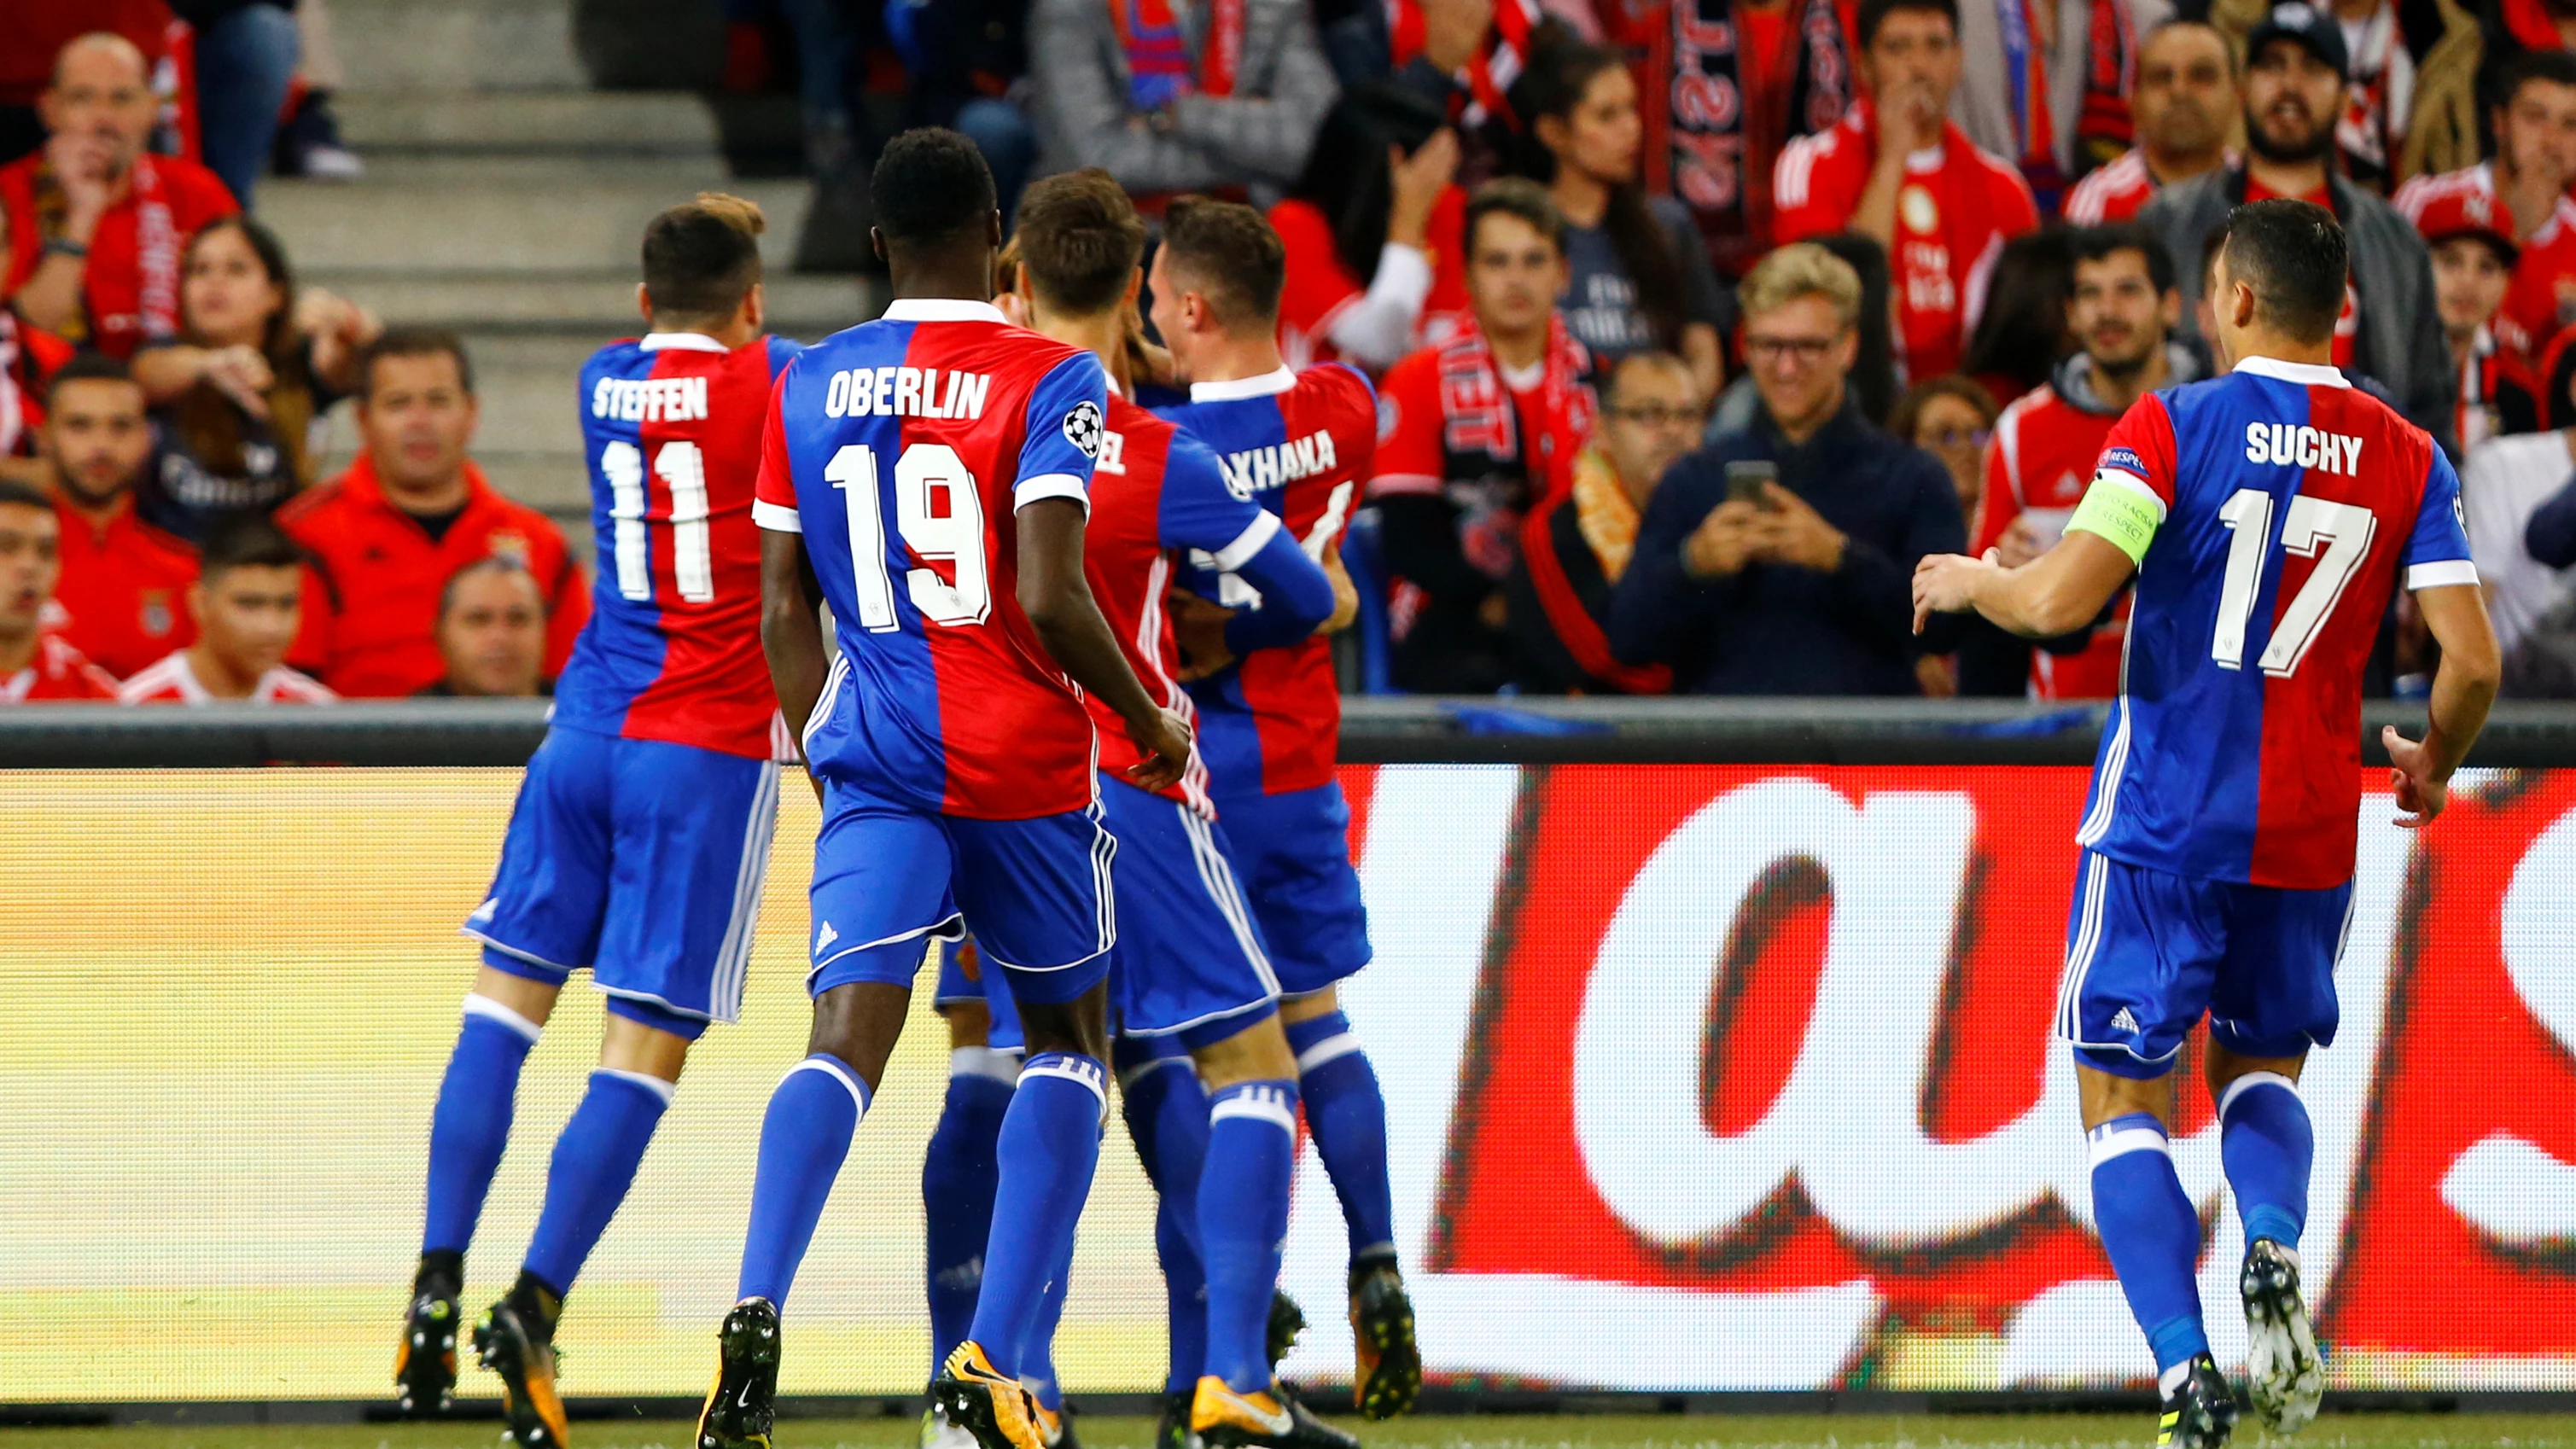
<point>906,392</point>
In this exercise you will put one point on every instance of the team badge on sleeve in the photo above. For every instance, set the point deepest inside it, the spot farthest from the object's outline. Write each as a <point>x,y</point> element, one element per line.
<point>2121,460</point>
<point>1083,428</point>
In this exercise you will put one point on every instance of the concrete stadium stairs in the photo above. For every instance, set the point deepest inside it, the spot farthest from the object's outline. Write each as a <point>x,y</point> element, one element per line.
<point>505,198</point>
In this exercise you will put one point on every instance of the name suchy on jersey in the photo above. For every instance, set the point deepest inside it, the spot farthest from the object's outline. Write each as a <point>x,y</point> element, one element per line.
<point>901,449</point>
<point>2292,506</point>
<point>1300,445</point>
<point>671,427</point>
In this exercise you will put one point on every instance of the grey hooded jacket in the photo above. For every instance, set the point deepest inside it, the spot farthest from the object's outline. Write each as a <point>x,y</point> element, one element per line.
<point>1255,138</point>
<point>2400,346</point>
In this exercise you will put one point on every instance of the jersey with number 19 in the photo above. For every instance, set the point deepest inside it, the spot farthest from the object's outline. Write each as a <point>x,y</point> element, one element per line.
<point>2272,514</point>
<point>902,450</point>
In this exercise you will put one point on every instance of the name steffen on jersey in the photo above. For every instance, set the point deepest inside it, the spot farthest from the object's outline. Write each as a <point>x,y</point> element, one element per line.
<point>650,399</point>
<point>905,392</point>
<point>1257,470</point>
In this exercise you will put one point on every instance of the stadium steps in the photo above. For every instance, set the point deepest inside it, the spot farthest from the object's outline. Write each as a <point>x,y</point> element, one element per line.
<point>504,199</point>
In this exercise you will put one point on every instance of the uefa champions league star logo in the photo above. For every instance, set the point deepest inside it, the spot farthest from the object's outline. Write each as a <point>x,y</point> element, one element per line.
<point>1082,428</point>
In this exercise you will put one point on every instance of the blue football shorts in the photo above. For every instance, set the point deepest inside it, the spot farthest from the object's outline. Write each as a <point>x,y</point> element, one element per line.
<point>987,988</point>
<point>886,876</point>
<point>1294,855</point>
<point>640,862</point>
<point>2148,953</point>
<point>1189,961</point>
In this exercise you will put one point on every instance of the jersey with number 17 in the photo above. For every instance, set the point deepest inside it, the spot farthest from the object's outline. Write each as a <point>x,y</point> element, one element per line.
<point>2273,513</point>
<point>902,449</point>
<point>671,428</point>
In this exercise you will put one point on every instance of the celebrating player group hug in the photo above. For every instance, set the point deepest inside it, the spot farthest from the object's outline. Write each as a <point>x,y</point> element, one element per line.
<point>1078,706</point>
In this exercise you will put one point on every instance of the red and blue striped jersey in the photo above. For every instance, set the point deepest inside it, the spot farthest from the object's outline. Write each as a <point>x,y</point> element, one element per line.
<point>1300,444</point>
<point>670,425</point>
<point>1158,491</point>
<point>2292,506</point>
<point>901,449</point>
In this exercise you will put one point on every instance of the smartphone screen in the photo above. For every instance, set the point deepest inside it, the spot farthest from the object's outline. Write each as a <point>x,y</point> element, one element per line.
<point>1744,480</point>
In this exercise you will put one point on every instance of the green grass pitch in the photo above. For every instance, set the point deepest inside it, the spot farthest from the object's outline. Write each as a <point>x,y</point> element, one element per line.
<point>1854,1431</point>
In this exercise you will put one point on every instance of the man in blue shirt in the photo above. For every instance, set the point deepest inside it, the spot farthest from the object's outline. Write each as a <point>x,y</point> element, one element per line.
<point>1799,587</point>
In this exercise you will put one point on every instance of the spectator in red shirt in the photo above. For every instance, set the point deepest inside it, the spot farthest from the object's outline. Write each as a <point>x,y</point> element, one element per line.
<point>96,222</point>
<point>28,356</point>
<point>36,663</point>
<point>1896,170</point>
<point>246,605</point>
<point>125,583</point>
<point>2127,304</point>
<point>385,536</point>
<point>2473,266</point>
<point>1471,435</point>
<point>2183,103</point>
<point>1374,265</point>
<point>2525,187</point>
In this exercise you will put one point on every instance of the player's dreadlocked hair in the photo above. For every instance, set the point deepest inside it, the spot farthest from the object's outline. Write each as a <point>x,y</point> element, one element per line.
<point>930,184</point>
<point>1079,238</point>
<point>701,257</point>
<point>2292,253</point>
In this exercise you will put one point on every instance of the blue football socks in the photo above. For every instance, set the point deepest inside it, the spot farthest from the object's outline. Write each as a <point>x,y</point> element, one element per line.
<point>1347,1115</point>
<point>2267,1146</point>
<point>1243,1222</point>
<point>1167,1117</point>
<point>2151,1233</point>
<point>471,1124</point>
<point>1050,1143</point>
<point>594,1163</point>
<point>957,1177</point>
<point>1037,1355</point>
<point>803,1139</point>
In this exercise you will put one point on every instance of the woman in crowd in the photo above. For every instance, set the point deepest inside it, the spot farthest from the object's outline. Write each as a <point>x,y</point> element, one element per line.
<point>1641,275</point>
<point>238,394</point>
<point>1374,263</point>
<point>2021,334</point>
<point>1952,418</point>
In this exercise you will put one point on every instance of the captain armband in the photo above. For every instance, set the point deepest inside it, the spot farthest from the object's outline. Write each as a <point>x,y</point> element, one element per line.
<point>2120,510</point>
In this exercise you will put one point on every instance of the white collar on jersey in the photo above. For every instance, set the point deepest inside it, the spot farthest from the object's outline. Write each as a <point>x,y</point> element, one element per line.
<point>681,342</point>
<point>2305,374</point>
<point>943,309</point>
<point>1268,384</point>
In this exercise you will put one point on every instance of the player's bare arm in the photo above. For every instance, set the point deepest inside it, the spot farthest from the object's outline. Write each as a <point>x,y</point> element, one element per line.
<point>1060,607</point>
<point>2057,593</point>
<point>791,628</point>
<point>2463,687</point>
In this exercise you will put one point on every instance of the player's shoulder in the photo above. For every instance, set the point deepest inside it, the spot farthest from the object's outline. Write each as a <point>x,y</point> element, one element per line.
<point>1339,382</point>
<point>1133,420</point>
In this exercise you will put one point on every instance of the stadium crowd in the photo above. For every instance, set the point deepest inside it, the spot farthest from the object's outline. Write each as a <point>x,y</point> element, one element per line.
<point>1694,323</point>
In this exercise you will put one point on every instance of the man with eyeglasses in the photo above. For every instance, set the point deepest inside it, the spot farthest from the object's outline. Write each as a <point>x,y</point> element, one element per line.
<point>1776,559</point>
<point>2122,316</point>
<point>1576,545</point>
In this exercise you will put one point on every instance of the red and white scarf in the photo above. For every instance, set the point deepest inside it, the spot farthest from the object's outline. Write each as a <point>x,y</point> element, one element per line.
<point>1488,73</point>
<point>157,244</point>
<point>1498,462</point>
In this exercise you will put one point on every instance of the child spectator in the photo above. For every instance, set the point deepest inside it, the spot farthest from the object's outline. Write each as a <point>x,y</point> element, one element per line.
<point>37,664</point>
<point>385,536</point>
<point>1375,267</point>
<point>1641,276</point>
<point>95,221</point>
<point>124,582</point>
<point>1897,171</point>
<point>2473,266</point>
<point>1471,435</point>
<point>491,632</point>
<point>245,606</point>
<point>1575,546</point>
<point>238,392</point>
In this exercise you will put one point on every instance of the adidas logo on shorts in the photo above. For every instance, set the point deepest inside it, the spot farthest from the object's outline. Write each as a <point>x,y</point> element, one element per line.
<point>2124,1021</point>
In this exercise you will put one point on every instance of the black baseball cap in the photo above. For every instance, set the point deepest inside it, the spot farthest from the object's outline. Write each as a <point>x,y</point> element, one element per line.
<point>2309,25</point>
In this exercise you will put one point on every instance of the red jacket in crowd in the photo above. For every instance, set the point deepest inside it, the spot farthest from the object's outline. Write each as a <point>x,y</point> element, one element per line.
<point>125,585</point>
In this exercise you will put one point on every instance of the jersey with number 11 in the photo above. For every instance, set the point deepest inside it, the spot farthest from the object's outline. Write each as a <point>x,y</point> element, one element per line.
<point>902,449</point>
<point>670,424</point>
<point>2273,513</point>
